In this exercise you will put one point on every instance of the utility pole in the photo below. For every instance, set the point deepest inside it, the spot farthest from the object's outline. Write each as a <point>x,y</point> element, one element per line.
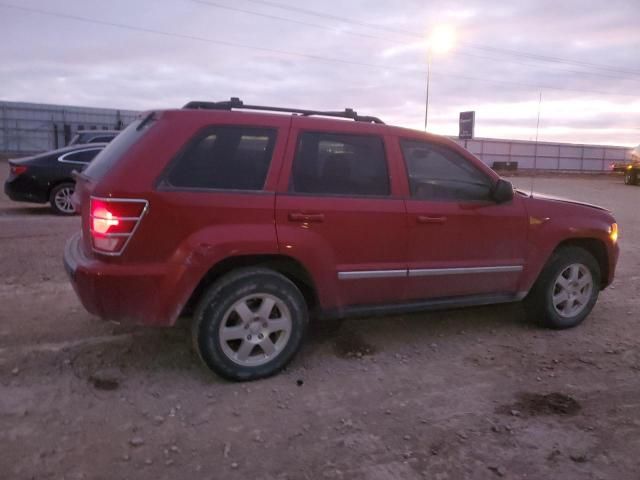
<point>426,106</point>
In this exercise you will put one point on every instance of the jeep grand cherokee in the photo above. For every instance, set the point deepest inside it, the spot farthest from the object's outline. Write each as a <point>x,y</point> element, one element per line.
<point>253,220</point>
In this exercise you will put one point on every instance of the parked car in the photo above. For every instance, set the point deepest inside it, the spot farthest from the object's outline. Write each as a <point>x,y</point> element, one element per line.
<point>632,170</point>
<point>47,177</point>
<point>252,222</point>
<point>93,136</point>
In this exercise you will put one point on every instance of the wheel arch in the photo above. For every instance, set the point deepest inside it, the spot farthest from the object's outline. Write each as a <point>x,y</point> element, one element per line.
<point>283,264</point>
<point>58,182</point>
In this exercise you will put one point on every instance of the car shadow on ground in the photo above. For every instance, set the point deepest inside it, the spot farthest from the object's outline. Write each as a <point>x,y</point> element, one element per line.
<point>355,338</point>
<point>43,210</point>
<point>147,352</point>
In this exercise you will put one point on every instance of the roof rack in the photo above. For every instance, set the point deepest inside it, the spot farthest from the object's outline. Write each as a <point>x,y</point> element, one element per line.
<point>236,104</point>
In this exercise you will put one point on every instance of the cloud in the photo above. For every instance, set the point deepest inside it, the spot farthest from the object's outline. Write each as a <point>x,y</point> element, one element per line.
<point>55,60</point>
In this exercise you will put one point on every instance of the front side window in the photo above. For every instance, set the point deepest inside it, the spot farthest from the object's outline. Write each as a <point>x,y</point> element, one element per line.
<point>338,164</point>
<point>230,158</point>
<point>437,173</point>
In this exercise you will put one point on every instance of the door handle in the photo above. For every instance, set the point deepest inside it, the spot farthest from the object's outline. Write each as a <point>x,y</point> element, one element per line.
<point>429,219</point>
<point>306,217</point>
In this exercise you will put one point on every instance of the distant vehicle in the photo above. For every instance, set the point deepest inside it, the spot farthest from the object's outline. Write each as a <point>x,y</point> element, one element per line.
<point>632,171</point>
<point>47,177</point>
<point>252,222</point>
<point>93,136</point>
<point>618,166</point>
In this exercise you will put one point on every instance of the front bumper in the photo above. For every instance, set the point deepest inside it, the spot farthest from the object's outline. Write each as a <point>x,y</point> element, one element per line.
<point>613,252</point>
<point>129,293</point>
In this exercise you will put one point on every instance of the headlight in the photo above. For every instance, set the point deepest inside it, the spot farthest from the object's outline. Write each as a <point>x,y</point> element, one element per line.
<point>613,232</point>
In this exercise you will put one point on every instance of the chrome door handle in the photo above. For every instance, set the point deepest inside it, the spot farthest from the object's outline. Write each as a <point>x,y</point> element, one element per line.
<point>429,219</point>
<point>306,217</point>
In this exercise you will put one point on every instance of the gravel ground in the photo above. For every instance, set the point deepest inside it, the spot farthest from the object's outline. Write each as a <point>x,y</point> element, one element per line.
<point>475,393</point>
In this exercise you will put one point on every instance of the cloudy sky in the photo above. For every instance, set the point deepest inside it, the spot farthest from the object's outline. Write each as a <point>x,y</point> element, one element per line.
<point>583,55</point>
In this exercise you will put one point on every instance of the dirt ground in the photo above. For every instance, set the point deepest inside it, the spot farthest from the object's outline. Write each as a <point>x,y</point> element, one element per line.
<point>467,394</point>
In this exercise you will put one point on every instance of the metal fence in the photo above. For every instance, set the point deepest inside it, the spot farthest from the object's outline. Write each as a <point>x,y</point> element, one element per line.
<point>522,154</point>
<point>27,128</point>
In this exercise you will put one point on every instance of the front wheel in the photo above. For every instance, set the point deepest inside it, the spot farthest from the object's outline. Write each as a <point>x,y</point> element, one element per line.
<point>566,290</point>
<point>249,324</point>
<point>60,199</point>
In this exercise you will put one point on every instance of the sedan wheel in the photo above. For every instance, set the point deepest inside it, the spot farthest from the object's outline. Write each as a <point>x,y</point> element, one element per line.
<point>61,199</point>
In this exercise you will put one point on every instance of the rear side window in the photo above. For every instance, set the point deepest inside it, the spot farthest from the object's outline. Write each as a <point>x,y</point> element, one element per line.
<point>113,152</point>
<point>337,164</point>
<point>437,173</point>
<point>83,156</point>
<point>229,158</point>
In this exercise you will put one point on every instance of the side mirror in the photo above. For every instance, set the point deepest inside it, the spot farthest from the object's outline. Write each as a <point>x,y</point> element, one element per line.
<point>502,191</point>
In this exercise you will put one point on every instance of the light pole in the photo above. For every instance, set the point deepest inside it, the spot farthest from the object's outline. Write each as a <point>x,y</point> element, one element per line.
<point>440,41</point>
<point>426,105</point>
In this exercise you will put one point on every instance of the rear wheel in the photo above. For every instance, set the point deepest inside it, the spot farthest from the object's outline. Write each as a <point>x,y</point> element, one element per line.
<point>630,177</point>
<point>566,290</point>
<point>60,199</point>
<point>249,324</point>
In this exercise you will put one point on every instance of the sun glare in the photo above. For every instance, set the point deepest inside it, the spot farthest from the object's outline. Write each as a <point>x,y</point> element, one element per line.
<point>442,39</point>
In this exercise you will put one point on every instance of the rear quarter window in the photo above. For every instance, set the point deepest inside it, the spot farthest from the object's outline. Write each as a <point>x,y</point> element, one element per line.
<point>113,152</point>
<point>224,158</point>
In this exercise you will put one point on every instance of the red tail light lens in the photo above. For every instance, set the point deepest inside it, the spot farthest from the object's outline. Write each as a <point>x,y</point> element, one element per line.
<point>103,220</point>
<point>113,223</point>
<point>18,169</point>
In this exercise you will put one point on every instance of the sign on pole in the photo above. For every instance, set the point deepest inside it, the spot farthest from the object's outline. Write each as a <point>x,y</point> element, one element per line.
<point>467,122</point>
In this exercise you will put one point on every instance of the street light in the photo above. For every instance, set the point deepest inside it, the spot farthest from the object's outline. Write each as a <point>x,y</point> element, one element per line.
<point>441,40</point>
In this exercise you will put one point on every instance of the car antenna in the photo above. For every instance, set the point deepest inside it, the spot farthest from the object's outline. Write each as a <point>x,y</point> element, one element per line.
<point>535,151</point>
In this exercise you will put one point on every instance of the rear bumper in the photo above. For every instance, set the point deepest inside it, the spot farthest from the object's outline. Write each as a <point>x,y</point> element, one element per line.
<point>123,293</point>
<point>21,189</point>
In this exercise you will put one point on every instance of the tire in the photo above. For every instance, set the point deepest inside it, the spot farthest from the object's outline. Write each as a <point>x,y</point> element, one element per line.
<point>546,304</point>
<point>262,313</point>
<point>630,177</point>
<point>60,199</point>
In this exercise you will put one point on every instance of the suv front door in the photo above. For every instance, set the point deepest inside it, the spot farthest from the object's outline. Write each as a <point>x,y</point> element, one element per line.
<point>461,242</point>
<point>339,213</point>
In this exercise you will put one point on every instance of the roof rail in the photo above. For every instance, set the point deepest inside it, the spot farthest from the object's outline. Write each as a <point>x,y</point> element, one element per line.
<point>236,104</point>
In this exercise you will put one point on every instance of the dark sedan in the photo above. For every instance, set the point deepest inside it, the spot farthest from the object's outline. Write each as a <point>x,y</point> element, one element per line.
<point>93,136</point>
<point>47,177</point>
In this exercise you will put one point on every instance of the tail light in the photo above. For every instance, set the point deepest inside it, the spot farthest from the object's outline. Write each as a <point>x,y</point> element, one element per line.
<point>113,223</point>
<point>18,169</point>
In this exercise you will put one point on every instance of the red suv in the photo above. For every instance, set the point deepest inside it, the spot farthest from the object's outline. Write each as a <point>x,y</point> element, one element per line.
<point>252,222</point>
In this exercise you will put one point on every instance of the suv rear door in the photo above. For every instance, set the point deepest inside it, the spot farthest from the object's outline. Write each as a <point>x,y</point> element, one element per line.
<point>339,213</point>
<point>461,242</point>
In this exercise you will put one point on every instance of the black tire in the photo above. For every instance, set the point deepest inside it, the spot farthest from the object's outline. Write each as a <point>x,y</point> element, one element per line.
<point>539,304</point>
<point>217,302</point>
<point>630,177</point>
<point>61,190</point>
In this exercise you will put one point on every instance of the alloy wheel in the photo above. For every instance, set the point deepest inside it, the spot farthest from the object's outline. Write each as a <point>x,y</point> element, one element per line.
<point>572,290</point>
<point>255,330</point>
<point>62,199</point>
